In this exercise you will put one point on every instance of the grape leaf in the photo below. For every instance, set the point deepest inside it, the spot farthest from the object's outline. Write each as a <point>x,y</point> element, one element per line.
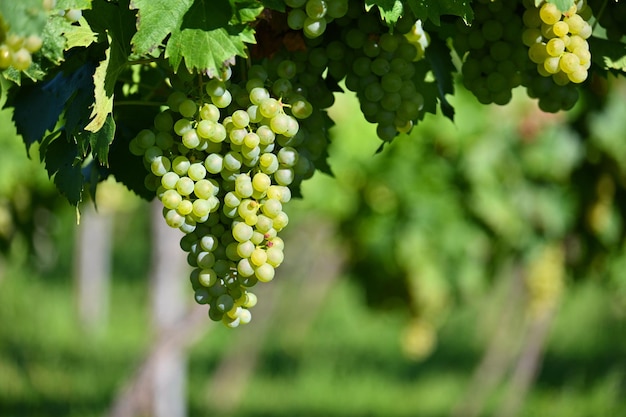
<point>47,99</point>
<point>608,54</point>
<point>117,21</point>
<point>390,10</point>
<point>156,19</point>
<point>562,5</point>
<point>73,4</point>
<point>53,39</point>
<point>62,162</point>
<point>25,17</point>
<point>101,140</point>
<point>103,102</point>
<point>79,35</point>
<point>211,35</point>
<point>274,4</point>
<point>433,10</point>
<point>438,55</point>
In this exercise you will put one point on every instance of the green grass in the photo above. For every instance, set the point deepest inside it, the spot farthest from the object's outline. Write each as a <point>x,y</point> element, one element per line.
<point>349,364</point>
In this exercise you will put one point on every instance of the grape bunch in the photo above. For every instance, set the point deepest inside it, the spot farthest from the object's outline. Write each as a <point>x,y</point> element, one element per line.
<point>379,67</point>
<point>16,51</point>
<point>222,163</point>
<point>494,57</point>
<point>312,16</point>
<point>557,44</point>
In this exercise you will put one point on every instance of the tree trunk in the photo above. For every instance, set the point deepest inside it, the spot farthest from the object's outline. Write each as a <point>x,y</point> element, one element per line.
<point>92,268</point>
<point>169,303</point>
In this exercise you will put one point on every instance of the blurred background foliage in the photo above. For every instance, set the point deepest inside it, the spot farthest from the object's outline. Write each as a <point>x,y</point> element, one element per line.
<point>483,264</point>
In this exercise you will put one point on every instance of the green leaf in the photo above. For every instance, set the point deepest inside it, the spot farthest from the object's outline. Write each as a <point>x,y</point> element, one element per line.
<point>209,37</point>
<point>53,38</point>
<point>433,10</point>
<point>562,5</point>
<point>440,59</point>
<point>24,17</point>
<point>103,101</point>
<point>73,4</point>
<point>156,19</point>
<point>610,55</point>
<point>101,140</point>
<point>278,5</point>
<point>47,100</point>
<point>79,35</point>
<point>63,162</point>
<point>117,22</point>
<point>390,10</point>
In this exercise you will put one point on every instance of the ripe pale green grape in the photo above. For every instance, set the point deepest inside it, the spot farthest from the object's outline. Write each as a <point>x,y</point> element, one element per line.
<point>185,186</point>
<point>279,123</point>
<point>569,62</point>
<point>550,14</point>
<point>245,248</point>
<point>160,166</point>
<point>191,139</point>
<point>184,208</point>
<point>284,176</point>
<point>214,163</point>
<point>258,257</point>
<point>222,101</point>
<point>232,161</point>
<point>168,181</point>
<point>173,219</point>
<point>555,47</point>
<point>271,207</point>
<point>240,119</point>
<point>171,199</point>
<point>201,207</point>
<point>196,171</point>
<point>280,220</point>
<point>265,272</point>
<point>242,232</point>
<point>275,256</point>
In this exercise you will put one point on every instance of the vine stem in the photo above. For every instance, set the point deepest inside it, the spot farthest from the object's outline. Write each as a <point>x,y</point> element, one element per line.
<point>143,61</point>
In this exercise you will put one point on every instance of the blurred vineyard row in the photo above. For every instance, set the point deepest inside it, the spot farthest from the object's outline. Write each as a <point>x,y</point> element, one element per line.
<point>479,267</point>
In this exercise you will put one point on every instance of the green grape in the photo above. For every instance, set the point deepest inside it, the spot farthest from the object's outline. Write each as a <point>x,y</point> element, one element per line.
<point>265,272</point>
<point>184,208</point>
<point>187,108</point>
<point>314,27</point>
<point>185,186</point>
<point>171,199</point>
<point>549,13</point>
<point>168,181</point>
<point>214,163</point>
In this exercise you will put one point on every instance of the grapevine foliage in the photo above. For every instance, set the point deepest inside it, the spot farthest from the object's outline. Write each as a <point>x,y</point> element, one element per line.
<point>218,108</point>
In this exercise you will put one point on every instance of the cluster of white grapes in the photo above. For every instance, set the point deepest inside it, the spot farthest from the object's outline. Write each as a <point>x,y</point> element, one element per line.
<point>16,51</point>
<point>494,57</point>
<point>223,176</point>
<point>557,44</point>
<point>312,16</point>
<point>557,41</point>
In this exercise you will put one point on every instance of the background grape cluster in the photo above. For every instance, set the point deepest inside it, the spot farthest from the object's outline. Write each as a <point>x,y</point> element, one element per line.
<point>15,50</point>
